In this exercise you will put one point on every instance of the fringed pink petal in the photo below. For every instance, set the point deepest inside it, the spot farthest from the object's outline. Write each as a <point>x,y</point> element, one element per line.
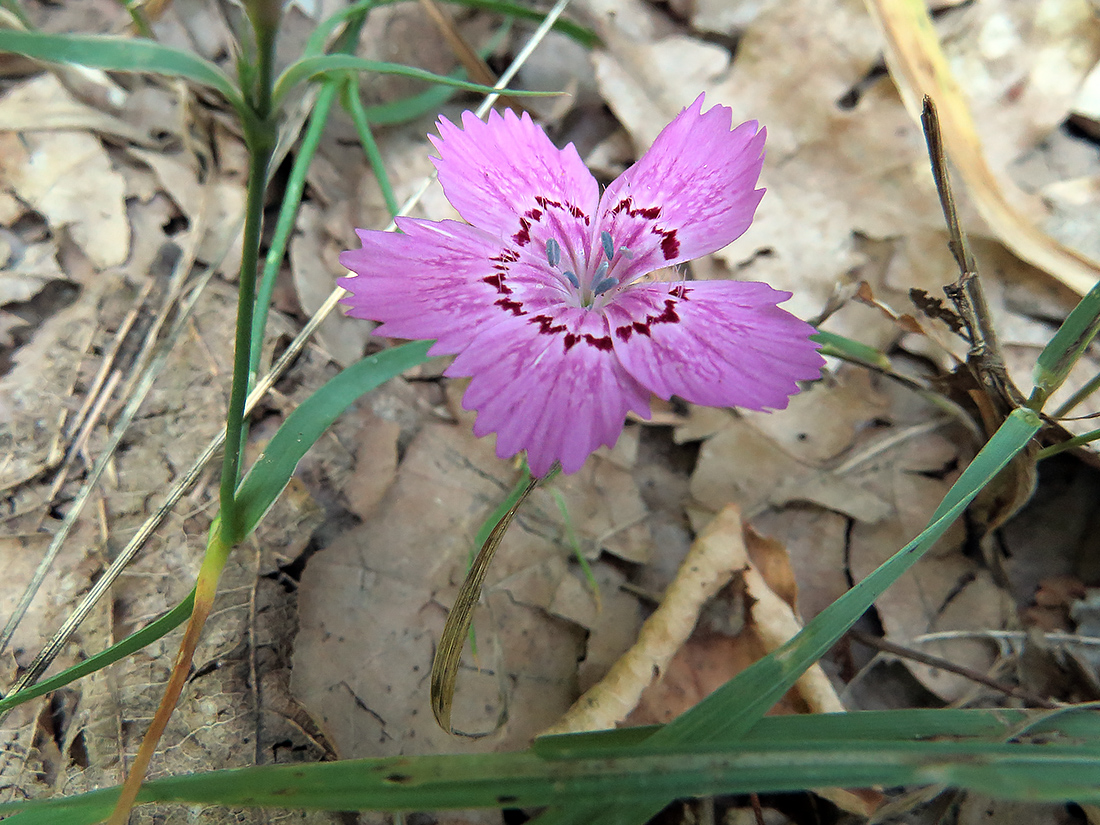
<point>718,343</point>
<point>549,385</point>
<point>443,280</point>
<point>692,193</point>
<point>506,177</point>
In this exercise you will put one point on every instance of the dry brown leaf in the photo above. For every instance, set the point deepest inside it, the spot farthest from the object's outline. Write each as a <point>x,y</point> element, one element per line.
<point>373,603</point>
<point>42,103</point>
<point>945,591</point>
<point>314,266</point>
<point>69,178</point>
<point>786,462</point>
<point>920,68</point>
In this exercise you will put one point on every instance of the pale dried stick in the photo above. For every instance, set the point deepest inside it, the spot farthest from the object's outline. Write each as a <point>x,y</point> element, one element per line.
<point>717,555</point>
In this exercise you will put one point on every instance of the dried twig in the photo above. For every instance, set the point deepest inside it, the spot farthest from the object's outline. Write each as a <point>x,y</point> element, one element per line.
<point>902,652</point>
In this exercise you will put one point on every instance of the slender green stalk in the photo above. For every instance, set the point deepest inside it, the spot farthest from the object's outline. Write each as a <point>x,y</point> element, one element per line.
<point>235,427</point>
<point>1068,444</point>
<point>1090,387</point>
<point>353,104</point>
<point>295,188</point>
<point>288,213</point>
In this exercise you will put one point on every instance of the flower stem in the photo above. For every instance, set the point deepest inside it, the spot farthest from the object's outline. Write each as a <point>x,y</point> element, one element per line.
<point>232,531</point>
<point>292,199</point>
<point>261,135</point>
<point>288,212</point>
<point>205,589</point>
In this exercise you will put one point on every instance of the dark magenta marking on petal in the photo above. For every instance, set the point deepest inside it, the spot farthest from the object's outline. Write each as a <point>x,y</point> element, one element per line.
<point>603,343</point>
<point>498,282</point>
<point>572,209</point>
<point>547,325</point>
<point>506,256</point>
<point>533,214</point>
<point>523,237</point>
<point>515,307</point>
<point>670,244</point>
<point>650,213</point>
<point>667,316</point>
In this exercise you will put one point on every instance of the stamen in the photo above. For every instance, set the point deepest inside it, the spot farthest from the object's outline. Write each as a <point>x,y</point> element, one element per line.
<point>601,271</point>
<point>604,285</point>
<point>553,252</point>
<point>572,279</point>
<point>608,245</point>
<point>626,253</point>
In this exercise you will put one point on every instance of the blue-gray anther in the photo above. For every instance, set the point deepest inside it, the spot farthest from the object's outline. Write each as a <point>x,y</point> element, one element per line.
<point>626,252</point>
<point>601,273</point>
<point>608,245</point>
<point>604,285</point>
<point>553,252</point>
<point>573,279</point>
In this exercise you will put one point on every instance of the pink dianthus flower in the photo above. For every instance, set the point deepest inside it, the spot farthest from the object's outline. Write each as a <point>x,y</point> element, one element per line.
<point>542,296</point>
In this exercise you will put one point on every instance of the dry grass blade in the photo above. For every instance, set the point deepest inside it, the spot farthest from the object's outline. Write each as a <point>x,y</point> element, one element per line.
<point>457,628</point>
<point>920,68</point>
<point>475,67</point>
<point>967,293</point>
<point>148,364</point>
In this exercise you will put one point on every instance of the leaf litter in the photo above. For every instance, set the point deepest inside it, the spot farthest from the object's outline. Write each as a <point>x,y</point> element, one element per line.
<point>324,632</point>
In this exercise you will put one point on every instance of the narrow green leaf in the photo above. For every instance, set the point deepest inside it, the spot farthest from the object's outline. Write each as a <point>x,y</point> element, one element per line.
<point>448,651</point>
<point>841,347</point>
<point>309,67</point>
<point>132,643</point>
<point>585,37</point>
<point>1061,768</point>
<point>120,54</point>
<point>272,471</point>
<point>1065,348</point>
<point>316,43</point>
<point>728,713</point>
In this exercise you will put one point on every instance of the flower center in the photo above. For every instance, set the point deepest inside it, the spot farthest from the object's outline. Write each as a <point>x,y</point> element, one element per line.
<point>590,284</point>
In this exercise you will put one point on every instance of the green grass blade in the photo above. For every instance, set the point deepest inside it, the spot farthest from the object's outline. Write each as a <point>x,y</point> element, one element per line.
<point>272,471</point>
<point>1065,348</point>
<point>738,705</point>
<point>841,347</point>
<point>134,642</point>
<point>586,37</point>
<point>1068,725</point>
<point>309,67</point>
<point>431,100</point>
<point>288,214</point>
<point>353,105</point>
<point>1065,767</point>
<point>729,712</point>
<point>120,54</point>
